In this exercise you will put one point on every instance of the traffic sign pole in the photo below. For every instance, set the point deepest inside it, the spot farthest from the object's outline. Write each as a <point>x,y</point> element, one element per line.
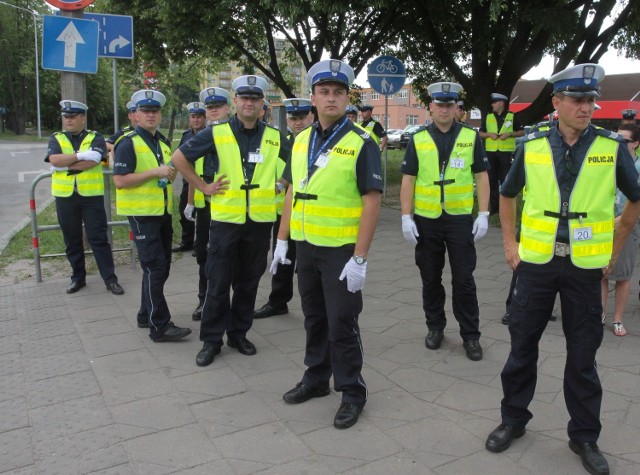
<point>73,86</point>
<point>115,94</point>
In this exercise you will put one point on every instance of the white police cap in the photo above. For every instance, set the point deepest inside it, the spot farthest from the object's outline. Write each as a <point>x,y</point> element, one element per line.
<point>73,107</point>
<point>131,106</point>
<point>629,114</point>
<point>195,108</point>
<point>297,106</point>
<point>578,81</point>
<point>444,92</point>
<point>266,104</point>
<point>215,96</point>
<point>148,99</point>
<point>330,70</point>
<point>366,106</point>
<point>351,109</point>
<point>250,85</point>
<point>496,96</point>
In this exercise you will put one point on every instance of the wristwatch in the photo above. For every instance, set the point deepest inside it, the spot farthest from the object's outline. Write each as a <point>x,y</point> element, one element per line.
<point>360,259</point>
<point>279,186</point>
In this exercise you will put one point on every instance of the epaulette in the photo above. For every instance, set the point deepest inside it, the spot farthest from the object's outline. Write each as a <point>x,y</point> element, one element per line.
<point>217,122</point>
<point>610,134</point>
<point>186,132</point>
<point>464,124</point>
<point>164,139</point>
<point>536,135</point>
<point>267,124</point>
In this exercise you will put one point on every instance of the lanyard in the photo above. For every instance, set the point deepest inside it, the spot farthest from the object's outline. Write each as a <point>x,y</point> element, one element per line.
<point>313,155</point>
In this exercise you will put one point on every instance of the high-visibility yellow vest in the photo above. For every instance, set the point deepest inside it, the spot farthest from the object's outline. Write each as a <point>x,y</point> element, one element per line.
<point>326,207</point>
<point>592,197</point>
<point>148,198</point>
<point>280,196</point>
<point>234,205</point>
<point>457,180</point>
<point>369,129</point>
<point>508,145</point>
<point>88,183</point>
<point>198,196</point>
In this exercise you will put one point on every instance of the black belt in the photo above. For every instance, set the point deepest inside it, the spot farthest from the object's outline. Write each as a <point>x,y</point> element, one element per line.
<point>303,196</point>
<point>443,182</point>
<point>249,187</point>
<point>565,215</point>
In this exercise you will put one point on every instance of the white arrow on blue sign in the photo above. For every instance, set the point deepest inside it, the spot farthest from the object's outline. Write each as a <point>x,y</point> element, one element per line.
<point>70,44</point>
<point>386,75</point>
<point>116,35</point>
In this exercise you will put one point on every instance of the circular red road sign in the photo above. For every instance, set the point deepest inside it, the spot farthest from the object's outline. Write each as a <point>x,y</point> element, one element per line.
<point>70,4</point>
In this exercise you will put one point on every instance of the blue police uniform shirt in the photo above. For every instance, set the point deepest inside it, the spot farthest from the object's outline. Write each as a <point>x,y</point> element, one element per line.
<point>114,138</point>
<point>368,164</point>
<point>98,144</point>
<point>444,143</point>
<point>125,160</point>
<point>249,140</point>
<point>626,174</point>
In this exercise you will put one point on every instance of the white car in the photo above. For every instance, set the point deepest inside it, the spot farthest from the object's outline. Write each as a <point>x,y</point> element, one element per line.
<point>393,138</point>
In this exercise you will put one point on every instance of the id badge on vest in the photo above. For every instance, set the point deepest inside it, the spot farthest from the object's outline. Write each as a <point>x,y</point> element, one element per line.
<point>256,157</point>
<point>322,161</point>
<point>584,233</point>
<point>457,163</point>
<point>507,123</point>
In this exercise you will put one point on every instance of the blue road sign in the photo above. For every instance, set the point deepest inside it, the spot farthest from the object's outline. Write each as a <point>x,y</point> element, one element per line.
<point>386,75</point>
<point>116,35</point>
<point>70,44</point>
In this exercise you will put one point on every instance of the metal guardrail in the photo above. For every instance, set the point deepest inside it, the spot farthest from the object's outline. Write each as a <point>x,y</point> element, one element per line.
<point>36,230</point>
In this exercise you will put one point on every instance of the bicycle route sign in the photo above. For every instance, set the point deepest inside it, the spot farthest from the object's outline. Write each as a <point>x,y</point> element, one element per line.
<point>386,75</point>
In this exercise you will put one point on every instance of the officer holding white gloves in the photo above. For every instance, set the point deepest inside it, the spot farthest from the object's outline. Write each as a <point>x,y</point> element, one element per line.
<point>77,183</point>
<point>331,210</point>
<point>440,164</point>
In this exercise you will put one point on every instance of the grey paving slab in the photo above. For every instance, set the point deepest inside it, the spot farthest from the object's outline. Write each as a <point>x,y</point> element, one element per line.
<point>85,391</point>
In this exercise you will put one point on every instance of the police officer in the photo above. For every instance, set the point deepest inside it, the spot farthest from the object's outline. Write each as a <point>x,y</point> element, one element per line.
<point>500,129</point>
<point>331,210</point>
<point>197,122</point>
<point>567,239</point>
<point>217,102</point>
<point>299,117</point>
<point>143,174</point>
<point>78,185</point>
<point>133,122</point>
<point>372,126</point>
<point>352,113</point>
<point>440,164</point>
<point>245,152</point>
<point>629,116</point>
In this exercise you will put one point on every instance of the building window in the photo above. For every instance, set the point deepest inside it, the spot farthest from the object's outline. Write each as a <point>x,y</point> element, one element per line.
<point>364,96</point>
<point>376,117</point>
<point>403,94</point>
<point>412,120</point>
<point>375,96</point>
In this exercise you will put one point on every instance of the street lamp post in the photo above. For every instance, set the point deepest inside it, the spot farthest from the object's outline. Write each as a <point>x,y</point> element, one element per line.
<point>35,37</point>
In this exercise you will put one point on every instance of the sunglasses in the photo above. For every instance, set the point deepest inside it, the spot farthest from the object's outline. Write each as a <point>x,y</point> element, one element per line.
<point>629,140</point>
<point>569,163</point>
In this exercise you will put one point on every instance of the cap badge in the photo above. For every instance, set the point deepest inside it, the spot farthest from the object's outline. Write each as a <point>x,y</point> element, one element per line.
<point>211,91</point>
<point>148,94</point>
<point>446,88</point>
<point>67,105</point>
<point>334,66</point>
<point>294,103</point>
<point>587,73</point>
<point>251,80</point>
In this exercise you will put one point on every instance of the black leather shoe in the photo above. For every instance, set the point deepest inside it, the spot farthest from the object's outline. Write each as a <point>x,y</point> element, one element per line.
<point>505,318</point>
<point>302,393</point>
<point>592,459</point>
<point>346,416</point>
<point>182,247</point>
<point>115,288</point>
<point>473,349</point>
<point>500,439</point>
<point>268,310</point>
<point>197,313</point>
<point>243,345</point>
<point>173,334</point>
<point>143,324</point>
<point>434,339</point>
<point>207,354</point>
<point>75,286</point>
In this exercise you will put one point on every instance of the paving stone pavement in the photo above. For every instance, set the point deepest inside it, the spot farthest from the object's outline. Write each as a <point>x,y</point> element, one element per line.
<point>83,390</point>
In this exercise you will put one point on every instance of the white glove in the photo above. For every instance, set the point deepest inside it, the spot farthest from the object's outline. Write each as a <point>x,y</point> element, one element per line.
<point>188,212</point>
<point>480,226</point>
<point>279,255</point>
<point>409,229</point>
<point>356,274</point>
<point>58,169</point>
<point>90,155</point>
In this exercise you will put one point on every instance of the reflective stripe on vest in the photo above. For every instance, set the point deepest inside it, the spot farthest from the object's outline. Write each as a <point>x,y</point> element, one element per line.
<point>592,194</point>
<point>198,196</point>
<point>146,199</point>
<point>369,130</point>
<point>88,183</point>
<point>508,145</point>
<point>458,193</point>
<point>332,219</point>
<point>231,207</point>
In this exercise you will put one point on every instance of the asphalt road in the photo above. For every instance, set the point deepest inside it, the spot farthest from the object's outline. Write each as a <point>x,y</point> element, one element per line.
<point>20,163</point>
